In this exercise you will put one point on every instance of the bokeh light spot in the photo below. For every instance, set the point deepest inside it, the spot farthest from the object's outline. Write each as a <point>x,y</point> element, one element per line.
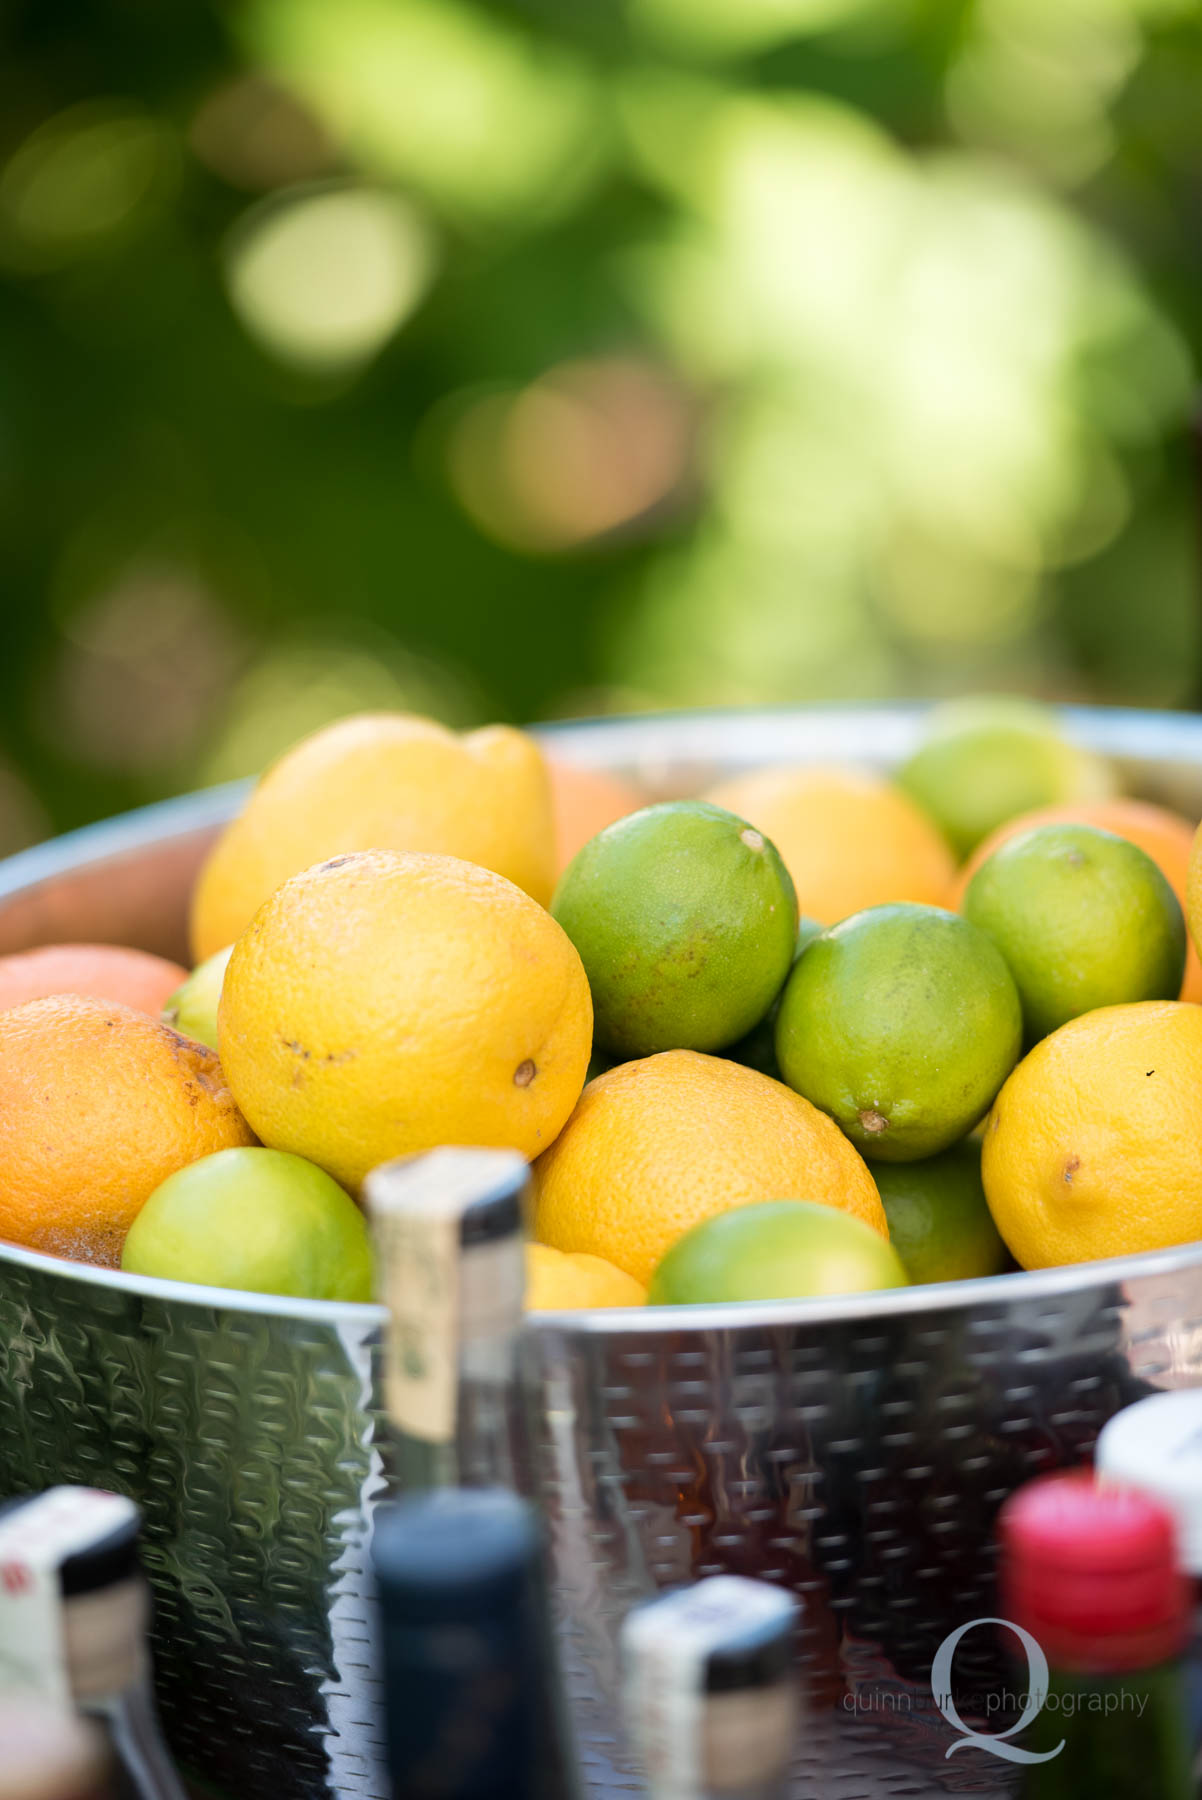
<point>141,666</point>
<point>297,686</point>
<point>82,176</point>
<point>324,278</point>
<point>491,122</point>
<point>257,136</point>
<point>588,449</point>
<point>946,600</point>
<point>720,28</point>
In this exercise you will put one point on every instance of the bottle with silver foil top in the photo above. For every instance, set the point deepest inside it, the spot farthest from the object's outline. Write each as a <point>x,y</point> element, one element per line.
<point>74,1616</point>
<point>450,1256</point>
<point>711,1690</point>
<point>475,1707</point>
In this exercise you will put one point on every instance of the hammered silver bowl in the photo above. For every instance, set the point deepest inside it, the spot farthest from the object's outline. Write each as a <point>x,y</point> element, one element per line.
<point>856,1448</point>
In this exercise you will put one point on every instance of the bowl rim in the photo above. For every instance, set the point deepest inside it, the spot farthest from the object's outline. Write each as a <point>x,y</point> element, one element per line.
<point>1120,731</point>
<point>977,1294</point>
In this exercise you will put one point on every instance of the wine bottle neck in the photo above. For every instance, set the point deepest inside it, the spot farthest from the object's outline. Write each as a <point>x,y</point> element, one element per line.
<point>475,1707</point>
<point>130,1720</point>
<point>104,1639</point>
<point>484,1444</point>
<point>453,1388</point>
<point>1109,1737</point>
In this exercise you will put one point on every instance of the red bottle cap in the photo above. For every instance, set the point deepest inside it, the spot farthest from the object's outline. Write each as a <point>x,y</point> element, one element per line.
<point>1093,1574</point>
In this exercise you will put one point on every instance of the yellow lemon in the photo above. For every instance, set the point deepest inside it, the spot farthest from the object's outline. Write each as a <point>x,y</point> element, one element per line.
<point>1094,1145</point>
<point>381,781</point>
<point>556,1282</point>
<point>656,1145</point>
<point>386,1002</point>
<point>849,839</point>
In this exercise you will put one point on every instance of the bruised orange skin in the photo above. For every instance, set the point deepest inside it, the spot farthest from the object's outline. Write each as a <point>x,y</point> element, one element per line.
<point>105,971</point>
<point>387,1002</point>
<point>98,1105</point>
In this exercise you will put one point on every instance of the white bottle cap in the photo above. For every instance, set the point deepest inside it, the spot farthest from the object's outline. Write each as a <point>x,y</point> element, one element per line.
<point>1156,1445</point>
<point>724,1635</point>
<point>39,1537</point>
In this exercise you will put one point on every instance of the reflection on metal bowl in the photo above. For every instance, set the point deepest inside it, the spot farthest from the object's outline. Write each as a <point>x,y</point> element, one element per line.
<point>855,1448</point>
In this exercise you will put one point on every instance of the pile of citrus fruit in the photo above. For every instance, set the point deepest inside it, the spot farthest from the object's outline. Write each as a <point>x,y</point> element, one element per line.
<point>814,1031</point>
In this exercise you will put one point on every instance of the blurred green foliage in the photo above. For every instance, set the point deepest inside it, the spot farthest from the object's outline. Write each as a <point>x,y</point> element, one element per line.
<point>504,359</point>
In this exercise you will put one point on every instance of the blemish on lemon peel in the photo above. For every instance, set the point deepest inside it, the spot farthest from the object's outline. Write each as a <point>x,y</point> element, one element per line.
<point>434,1011</point>
<point>1071,1165</point>
<point>873,1121</point>
<point>1083,1094</point>
<point>524,1074</point>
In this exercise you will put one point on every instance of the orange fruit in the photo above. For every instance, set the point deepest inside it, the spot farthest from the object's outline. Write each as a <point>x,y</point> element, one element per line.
<point>98,1105</point>
<point>655,1146</point>
<point>584,802</point>
<point>849,839</point>
<point>1094,1145</point>
<point>556,1282</point>
<point>385,1003</point>
<point>106,971</point>
<point>381,781</point>
<point>1163,835</point>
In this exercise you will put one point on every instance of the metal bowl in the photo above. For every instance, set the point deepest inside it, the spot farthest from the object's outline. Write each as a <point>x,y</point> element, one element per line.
<point>855,1448</point>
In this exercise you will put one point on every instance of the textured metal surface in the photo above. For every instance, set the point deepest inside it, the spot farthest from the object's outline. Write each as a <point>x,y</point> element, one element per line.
<point>248,1441</point>
<point>859,1456</point>
<point>857,1449</point>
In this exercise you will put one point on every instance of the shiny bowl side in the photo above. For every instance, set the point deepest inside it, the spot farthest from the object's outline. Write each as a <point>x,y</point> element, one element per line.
<point>857,1449</point>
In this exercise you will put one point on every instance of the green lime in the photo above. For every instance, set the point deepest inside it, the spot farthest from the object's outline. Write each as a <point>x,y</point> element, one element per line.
<point>985,760</point>
<point>258,1219</point>
<point>192,1008</point>
<point>939,1221</point>
<point>774,1250</point>
<point>902,1023</point>
<point>1083,918</point>
<point>685,919</point>
<point>758,1049</point>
